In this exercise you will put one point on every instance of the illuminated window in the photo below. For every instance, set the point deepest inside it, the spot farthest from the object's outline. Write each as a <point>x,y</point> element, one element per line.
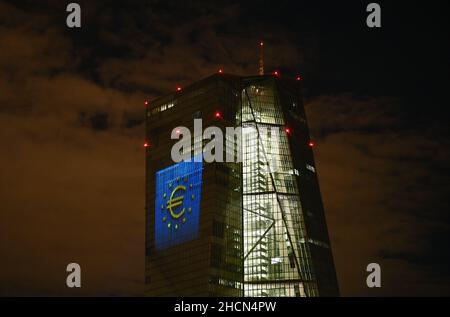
<point>271,197</point>
<point>311,168</point>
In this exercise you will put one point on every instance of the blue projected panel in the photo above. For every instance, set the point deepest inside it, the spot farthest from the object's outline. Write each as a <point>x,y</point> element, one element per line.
<point>177,204</point>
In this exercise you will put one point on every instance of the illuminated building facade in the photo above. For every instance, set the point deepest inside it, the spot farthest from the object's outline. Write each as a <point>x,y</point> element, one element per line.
<point>253,227</point>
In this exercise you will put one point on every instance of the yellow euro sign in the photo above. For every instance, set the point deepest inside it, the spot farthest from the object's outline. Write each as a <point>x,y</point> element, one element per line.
<point>175,202</point>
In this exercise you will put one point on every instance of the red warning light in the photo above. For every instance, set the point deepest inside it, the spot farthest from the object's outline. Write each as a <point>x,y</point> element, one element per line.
<point>146,103</point>
<point>311,144</point>
<point>287,130</point>
<point>276,73</point>
<point>299,78</point>
<point>217,115</point>
<point>146,144</point>
<point>221,71</point>
<point>261,43</point>
<point>179,88</point>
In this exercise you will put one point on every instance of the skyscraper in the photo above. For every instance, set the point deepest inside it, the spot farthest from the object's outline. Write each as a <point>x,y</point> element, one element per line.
<point>251,226</point>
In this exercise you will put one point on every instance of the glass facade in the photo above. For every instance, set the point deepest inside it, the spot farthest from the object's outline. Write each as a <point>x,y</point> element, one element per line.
<point>261,229</point>
<point>277,262</point>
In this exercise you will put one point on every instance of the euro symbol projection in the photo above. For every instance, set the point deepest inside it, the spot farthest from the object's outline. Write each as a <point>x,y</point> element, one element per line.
<point>175,202</point>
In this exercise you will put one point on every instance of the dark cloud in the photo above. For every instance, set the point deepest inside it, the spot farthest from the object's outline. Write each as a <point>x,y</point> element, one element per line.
<point>71,111</point>
<point>61,134</point>
<point>385,203</point>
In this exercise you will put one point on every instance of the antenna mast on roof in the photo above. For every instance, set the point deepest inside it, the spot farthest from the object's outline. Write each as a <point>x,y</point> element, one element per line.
<point>261,58</point>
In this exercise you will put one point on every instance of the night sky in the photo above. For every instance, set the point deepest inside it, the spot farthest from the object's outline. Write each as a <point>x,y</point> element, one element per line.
<point>72,130</point>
